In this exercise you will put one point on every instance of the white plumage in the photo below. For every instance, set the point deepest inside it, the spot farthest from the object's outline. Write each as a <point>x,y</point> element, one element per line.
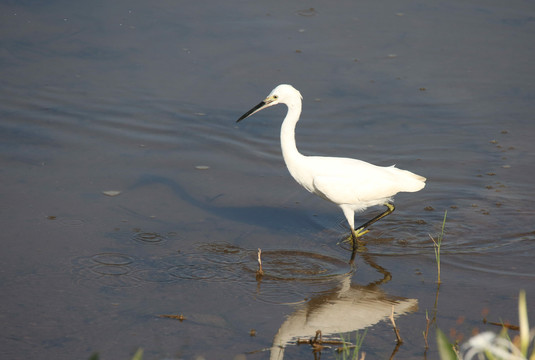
<point>352,184</point>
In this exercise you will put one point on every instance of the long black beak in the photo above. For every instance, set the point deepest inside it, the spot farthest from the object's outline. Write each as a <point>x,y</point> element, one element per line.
<point>252,111</point>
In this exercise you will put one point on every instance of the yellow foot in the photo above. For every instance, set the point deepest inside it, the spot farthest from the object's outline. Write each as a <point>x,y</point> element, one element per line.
<point>355,235</point>
<point>359,232</point>
<point>350,239</point>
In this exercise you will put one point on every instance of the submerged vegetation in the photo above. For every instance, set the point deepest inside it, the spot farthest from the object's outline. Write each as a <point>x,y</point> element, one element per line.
<point>349,350</point>
<point>437,245</point>
<point>346,350</point>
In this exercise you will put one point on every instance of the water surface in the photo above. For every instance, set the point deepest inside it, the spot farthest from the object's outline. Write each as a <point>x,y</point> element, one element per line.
<point>140,101</point>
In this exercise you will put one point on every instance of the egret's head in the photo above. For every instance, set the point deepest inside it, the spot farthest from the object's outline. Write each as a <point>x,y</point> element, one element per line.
<point>282,94</point>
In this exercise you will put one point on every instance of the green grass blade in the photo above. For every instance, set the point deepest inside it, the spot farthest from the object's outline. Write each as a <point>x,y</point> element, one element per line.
<point>524,324</point>
<point>138,355</point>
<point>445,349</point>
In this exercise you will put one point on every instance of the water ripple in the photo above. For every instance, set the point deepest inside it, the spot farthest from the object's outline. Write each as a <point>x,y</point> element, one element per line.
<point>293,265</point>
<point>112,259</point>
<point>150,238</point>
<point>211,262</point>
<point>107,269</point>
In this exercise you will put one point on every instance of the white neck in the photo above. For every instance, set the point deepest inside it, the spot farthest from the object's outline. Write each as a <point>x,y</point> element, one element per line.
<point>289,149</point>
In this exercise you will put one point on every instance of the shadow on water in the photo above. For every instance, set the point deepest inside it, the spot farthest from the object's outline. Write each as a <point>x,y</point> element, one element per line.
<point>272,218</point>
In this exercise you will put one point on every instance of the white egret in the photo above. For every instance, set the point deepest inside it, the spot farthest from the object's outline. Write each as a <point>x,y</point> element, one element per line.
<point>352,184</point>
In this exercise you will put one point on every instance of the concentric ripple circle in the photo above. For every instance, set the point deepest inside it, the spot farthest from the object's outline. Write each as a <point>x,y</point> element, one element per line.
<point>292,265</point>
<point>108,269</point>
<point>112,259</point>
<point>150,238</point>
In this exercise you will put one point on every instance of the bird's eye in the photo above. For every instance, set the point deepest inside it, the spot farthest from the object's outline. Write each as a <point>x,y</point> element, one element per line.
<point>275,97</point>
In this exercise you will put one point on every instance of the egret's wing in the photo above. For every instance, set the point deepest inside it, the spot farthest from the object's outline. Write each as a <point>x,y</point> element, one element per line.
<point>358,183</point>
<point>344,190</point>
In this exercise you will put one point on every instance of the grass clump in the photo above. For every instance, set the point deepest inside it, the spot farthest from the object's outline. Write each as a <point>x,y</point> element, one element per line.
<point>437,245</point>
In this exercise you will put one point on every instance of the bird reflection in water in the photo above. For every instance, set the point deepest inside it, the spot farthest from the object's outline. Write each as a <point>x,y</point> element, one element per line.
<point>347,308</point>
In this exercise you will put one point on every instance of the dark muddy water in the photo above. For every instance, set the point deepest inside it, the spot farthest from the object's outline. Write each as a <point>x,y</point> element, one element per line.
<point>128,191</point>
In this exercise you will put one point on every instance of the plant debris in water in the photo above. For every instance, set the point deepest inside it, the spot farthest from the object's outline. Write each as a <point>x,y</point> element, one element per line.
<point>179,317</point>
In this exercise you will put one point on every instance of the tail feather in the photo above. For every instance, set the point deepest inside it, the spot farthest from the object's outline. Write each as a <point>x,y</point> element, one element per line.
<point>414,182</point>
<point>408,181</point>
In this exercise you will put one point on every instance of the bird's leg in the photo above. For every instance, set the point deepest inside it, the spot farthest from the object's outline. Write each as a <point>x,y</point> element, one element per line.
<point>361,230</point>
<point>355,242</point>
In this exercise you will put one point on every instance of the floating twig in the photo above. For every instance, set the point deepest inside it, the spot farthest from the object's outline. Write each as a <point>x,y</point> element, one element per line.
<point>179,317</point>
<point>501,324</point>
<point>317,342</point>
